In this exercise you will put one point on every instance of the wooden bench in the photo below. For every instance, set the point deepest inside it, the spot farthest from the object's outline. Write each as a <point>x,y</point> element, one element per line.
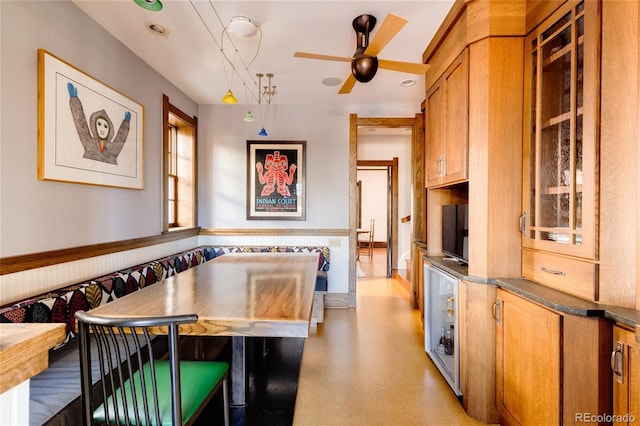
<point>55,393</point>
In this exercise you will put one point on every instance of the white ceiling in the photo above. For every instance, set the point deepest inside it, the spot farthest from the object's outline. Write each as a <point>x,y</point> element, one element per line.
<point>190,55</point>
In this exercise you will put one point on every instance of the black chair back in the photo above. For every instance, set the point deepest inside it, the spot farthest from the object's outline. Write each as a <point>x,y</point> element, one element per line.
<point>129,386</point>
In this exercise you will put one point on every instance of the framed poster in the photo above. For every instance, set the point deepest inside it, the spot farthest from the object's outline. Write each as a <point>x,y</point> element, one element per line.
<point>275,180</point>
<point>87,132</point>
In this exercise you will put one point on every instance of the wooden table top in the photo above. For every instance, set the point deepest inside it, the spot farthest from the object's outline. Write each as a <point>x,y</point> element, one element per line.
<point>238,294</point>
<point>24,350</point>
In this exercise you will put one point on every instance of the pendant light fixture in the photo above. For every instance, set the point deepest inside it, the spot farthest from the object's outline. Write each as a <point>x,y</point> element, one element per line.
<point>153,5</point>
<point>248,117</point>
<point>263,119</point>
<point>267,91</point>
<point>229,98</point>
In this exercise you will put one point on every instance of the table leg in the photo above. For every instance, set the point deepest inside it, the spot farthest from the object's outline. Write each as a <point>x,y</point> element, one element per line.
<point>238,371</point>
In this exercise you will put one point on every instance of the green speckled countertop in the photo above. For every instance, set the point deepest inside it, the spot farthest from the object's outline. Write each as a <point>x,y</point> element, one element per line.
<point>545,296</point>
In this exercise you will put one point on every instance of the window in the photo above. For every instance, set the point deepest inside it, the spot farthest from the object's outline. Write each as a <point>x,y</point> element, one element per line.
<point>172,177</point>
<point>180,166</point>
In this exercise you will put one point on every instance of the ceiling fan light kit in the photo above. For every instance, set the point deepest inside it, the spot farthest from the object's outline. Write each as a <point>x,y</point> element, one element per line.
<point>153,5</point>
<point>365,62</point>
<point>364,67</point>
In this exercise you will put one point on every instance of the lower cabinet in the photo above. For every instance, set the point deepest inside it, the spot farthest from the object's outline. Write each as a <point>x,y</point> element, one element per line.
<point>551,367</point>
<point>528,362</point>
<point>625,362</point>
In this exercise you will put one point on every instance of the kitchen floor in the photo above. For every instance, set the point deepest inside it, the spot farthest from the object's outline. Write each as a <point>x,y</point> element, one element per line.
<point>367,366</point>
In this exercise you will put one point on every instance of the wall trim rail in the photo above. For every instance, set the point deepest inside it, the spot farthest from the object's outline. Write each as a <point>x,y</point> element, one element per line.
<point>27,261</point>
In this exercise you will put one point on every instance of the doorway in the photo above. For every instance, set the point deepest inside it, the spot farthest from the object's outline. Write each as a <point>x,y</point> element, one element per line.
<point>415,126</point>
<point>377,183</point>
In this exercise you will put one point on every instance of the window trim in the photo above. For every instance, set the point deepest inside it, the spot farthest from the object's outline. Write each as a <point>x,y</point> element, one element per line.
<point>171,115</point>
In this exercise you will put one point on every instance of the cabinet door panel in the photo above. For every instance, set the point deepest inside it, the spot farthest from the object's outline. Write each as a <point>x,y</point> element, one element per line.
<point>434,128</point>
<point>626,392</point>
<point>560,139</point>
<point>528,358</point>
<point>446,125</point>
<point>456,122</point>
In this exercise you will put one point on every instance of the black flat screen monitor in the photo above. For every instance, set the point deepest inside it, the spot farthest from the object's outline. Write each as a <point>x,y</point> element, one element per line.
<point>455,231</point>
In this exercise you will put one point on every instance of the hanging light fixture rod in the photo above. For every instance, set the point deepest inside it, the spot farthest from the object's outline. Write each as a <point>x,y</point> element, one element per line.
<point>267,91</point>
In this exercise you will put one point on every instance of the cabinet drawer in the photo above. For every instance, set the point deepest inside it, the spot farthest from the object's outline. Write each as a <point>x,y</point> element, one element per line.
<point>569,275</point>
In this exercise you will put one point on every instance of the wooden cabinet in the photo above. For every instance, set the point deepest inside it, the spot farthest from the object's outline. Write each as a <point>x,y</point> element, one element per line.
<point>550,366</point>
<point>625,362</point>
<point>527,362</point>
<point>446,123</point>
<point>560,165</point>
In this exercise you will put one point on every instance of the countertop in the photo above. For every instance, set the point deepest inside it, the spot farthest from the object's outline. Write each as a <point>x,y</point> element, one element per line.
<point>545,296</point>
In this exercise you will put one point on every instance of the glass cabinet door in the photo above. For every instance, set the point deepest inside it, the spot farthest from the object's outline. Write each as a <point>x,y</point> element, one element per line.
<point>560,140</point>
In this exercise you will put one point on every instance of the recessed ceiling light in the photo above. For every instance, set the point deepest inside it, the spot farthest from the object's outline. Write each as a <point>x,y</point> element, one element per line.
<point>156,28</point>
<point>408,82</point>
<point>153,5</point>
<point>241,26</point>
<point>331,81</point>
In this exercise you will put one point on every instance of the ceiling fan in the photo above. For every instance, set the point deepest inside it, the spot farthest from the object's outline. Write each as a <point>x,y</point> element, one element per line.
<point>365,62</point>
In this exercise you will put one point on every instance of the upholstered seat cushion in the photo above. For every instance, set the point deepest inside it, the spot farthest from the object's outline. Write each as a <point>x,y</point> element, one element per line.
<point>198,380</point>
<point>321,281</point>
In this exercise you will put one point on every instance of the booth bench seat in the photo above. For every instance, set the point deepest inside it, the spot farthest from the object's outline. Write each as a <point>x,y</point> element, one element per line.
<point>58,387</point>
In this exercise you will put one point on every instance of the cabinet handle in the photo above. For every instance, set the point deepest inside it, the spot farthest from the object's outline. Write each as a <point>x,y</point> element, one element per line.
<point>552,271</point>
<point>495,311</point>
<point>523,224</point>
<point>443,167</point>
<point>616,362</point>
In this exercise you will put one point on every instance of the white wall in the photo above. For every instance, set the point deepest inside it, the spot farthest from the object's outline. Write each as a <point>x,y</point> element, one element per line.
<point>374,188</point>
<point>44,215</point>
<point>222,166</point>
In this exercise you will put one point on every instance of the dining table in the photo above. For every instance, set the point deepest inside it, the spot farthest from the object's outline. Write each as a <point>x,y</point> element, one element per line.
<point>238,295</point>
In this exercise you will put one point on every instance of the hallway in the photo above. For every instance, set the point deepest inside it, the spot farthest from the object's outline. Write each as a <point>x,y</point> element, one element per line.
<point>367,366</point>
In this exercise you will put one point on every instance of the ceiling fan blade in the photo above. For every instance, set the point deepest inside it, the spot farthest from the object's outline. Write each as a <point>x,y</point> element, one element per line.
<point>408,67</point>
<point>389,28</point>
<point>348,85</point>
<point>322,57</point>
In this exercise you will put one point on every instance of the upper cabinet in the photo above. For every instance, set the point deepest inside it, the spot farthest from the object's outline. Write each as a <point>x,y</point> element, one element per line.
<point>560,167</point>
<point>446,117</point>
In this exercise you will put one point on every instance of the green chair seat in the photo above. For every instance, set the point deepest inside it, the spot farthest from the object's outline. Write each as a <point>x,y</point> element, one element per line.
<point>198,378</point>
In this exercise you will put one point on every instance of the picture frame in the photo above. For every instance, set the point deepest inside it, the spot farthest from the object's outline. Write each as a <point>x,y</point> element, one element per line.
<point>88,132</point>
<point>276,180</point>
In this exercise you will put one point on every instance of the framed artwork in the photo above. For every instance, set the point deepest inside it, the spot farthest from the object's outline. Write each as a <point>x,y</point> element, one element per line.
<point>87,132</point>
<point>275,180</point>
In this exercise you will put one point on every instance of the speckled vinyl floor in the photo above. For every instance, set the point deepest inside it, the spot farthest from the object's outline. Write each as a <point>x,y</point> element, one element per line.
<point>367,366</point>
